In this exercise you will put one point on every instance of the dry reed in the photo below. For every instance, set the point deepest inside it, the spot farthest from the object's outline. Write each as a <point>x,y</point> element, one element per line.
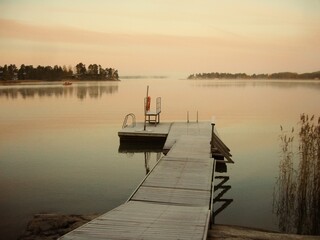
<point>297,192</point>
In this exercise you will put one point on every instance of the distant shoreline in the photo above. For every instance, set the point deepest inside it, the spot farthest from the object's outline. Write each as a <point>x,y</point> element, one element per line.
<point>48,73</point>
<point>263,76</point>
<point>12,82</point>
<point>255,79</point>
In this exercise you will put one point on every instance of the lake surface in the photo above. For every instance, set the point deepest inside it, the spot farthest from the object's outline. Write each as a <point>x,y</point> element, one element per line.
<point>59,144</point>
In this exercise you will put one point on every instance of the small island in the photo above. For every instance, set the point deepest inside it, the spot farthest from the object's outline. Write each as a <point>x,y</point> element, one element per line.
<point>280,75</point>
<point>56,73</point>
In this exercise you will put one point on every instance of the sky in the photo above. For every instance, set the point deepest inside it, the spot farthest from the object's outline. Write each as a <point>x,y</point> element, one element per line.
<point>163,37</point>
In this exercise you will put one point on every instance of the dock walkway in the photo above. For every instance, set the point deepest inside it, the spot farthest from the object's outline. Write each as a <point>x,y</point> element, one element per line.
<point>172,202</point>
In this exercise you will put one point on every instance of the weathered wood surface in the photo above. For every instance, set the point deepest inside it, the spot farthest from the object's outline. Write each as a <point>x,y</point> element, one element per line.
<point>196,147</point>
<point>140,220</point>
<point>184,181</point>
<point>192,129</point>
<point>174,199</point>
<point>51,226</point>
<point>172,196</point>
<point>181,174</point>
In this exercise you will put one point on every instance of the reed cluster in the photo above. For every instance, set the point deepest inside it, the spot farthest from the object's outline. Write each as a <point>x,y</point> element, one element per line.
<point>297,190</point>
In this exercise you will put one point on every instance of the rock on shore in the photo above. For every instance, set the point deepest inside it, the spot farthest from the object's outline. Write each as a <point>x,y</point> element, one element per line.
<point>52,226</point>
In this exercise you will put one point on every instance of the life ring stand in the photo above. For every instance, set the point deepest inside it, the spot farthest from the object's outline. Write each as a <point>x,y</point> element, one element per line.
<point>148,103</point>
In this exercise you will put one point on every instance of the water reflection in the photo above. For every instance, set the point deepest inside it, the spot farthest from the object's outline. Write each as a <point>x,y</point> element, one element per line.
<point>146,161</point>
<point>220,203</point>
<point>147,156</point>
<point>145,148</point>
<point>81,91</point>
<point>127,147</point>
<point>297,190</point>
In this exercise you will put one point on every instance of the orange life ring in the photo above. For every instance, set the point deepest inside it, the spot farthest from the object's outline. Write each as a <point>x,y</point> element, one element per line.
<point>148,103</point>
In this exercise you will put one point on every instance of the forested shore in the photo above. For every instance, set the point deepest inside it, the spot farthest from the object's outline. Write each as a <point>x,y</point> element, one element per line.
<point>48,73</point>
<point>280,75</point>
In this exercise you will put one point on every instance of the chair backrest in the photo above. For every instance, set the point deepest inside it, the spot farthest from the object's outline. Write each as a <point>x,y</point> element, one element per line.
<point>158,107</point>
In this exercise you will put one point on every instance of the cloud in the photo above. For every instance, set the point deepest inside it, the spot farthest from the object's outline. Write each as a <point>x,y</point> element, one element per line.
<point>219,39</point>
<point>224,49</point>
<point>63,34</point>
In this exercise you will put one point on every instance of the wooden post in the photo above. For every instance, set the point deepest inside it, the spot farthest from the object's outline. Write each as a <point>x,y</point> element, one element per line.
<point>197,116</point>
<point>187,116</point>
<point>145,110</point>
<point>212,131</point>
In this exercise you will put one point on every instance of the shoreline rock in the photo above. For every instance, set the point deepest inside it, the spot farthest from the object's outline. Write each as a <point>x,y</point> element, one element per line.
<point>51,226</point>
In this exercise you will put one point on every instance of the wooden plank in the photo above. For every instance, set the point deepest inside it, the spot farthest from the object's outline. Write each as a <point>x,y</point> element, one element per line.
<point>182,174</point>
<point>185,159</point>
<point>220,146</point>
<point>216,137</point>
<point>222,150</point>
<point>191,147</point>
<point>173,196</point>
<point>140,220</point>
<point>192,129</point>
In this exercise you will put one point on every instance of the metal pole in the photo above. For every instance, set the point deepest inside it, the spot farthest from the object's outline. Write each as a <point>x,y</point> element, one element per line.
<point>212,131</point>
<point>187,116</point>
<point>145,110</point>
<point>197,117</point>
<point>212,217</point>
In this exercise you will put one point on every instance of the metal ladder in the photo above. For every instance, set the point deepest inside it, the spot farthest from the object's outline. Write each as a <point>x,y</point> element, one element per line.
<point>133,120</point>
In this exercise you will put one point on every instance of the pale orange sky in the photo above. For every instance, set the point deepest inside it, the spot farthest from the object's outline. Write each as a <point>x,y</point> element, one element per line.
<point>162,36</point>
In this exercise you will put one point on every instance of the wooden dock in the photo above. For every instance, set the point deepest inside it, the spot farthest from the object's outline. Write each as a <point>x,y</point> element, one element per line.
<point>174,200</point>
<point>153,133</point>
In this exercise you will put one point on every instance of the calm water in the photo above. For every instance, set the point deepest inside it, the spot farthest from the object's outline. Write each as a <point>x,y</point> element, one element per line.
<point>59,145</point>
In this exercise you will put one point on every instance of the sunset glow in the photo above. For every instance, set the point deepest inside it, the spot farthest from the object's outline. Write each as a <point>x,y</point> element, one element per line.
<point>163,37</point>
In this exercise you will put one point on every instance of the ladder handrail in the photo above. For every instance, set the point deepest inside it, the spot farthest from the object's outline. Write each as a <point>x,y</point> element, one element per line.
<point>124,125</point>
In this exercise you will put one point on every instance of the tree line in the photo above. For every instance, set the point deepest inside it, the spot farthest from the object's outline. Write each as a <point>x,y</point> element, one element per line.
<point>280,75</point>
<point>49,73</point>
<point>96,72</point>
